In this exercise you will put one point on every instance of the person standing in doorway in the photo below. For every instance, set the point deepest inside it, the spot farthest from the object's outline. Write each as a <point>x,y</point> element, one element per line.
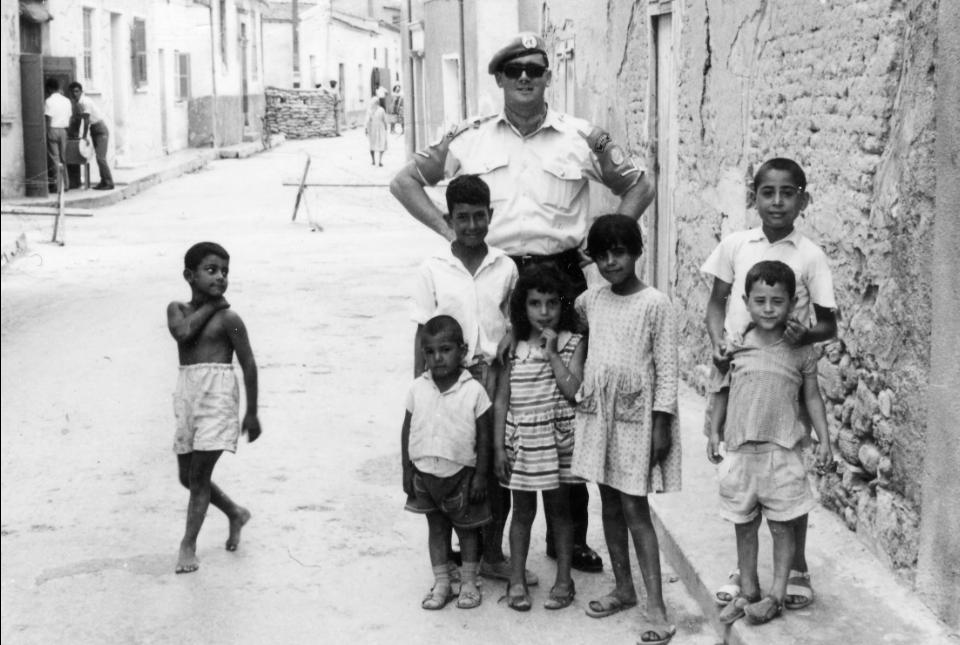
<point>335,96</point>
<point>537,162</point>
<point>57,110</point>
<point>376,130</point>
<point>94,124</point>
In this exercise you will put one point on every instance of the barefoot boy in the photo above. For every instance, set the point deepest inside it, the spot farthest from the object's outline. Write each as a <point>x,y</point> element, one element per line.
<point>207,399</point>
<point>763,470</point>
<point>445,448</point>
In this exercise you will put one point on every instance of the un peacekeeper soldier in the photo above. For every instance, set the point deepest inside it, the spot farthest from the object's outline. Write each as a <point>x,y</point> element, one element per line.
<point>537,162</point>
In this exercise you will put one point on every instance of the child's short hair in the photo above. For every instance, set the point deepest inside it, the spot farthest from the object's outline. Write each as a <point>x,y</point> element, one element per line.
<point>439,325</point>
<point>468,189</point>
<point>197,252</point>
<point>771,272</point>
<point>545,278</point>
<point>785,165</point>
<point>610,230</point>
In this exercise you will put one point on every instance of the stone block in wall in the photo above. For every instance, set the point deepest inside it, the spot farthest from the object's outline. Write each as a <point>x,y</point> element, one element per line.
<point>849,445</point>
<point>886,398</point>
<point>866,407</point>
<point>869,456</point>
<point>831,382</point>
<point>883,434</point>
<point>897,529</point>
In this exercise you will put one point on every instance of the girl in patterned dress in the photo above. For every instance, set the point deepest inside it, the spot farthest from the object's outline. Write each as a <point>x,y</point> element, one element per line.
<point>533,423</point>
<point>627,431</point>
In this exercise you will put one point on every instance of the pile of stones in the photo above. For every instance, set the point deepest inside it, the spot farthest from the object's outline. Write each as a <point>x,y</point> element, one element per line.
<point>300,114</point>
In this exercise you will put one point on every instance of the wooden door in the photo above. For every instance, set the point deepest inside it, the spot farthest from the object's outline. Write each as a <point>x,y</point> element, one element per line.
<point>663,225</point>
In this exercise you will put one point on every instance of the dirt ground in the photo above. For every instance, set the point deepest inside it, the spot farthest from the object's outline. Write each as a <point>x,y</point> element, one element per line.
<point>92,512</point>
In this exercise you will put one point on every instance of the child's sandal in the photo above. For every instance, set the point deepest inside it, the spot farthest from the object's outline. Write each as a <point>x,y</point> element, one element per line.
<point>560,601</point>
<point>518,603</point>
<point>469,598</point>
<point>763,611</point>
<point>436,599</point>
<point>735,609</point>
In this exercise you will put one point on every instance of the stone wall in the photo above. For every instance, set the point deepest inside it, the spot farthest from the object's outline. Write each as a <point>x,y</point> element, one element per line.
<point>846,88</point>
<point>300,114</point>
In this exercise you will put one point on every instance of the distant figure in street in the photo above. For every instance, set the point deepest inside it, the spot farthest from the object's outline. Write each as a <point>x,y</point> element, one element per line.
<point>397,108</point>
<point>445,447</point>
<point>763,471</point>
<point>207,398</point>
<point>332,91</point>
<point>94,124</point>
<point>376,131</point>
<point>381,94</point>
<point>57,110</point>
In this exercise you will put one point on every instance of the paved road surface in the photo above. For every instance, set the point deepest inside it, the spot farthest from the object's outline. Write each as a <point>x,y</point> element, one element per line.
<point>91,509</point>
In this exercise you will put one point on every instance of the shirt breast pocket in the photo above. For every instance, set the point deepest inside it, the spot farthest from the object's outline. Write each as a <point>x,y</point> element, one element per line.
<point>562,182</point>
<point>493,169</point>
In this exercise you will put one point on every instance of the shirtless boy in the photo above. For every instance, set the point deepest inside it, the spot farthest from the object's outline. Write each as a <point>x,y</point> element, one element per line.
<point>207,399</point>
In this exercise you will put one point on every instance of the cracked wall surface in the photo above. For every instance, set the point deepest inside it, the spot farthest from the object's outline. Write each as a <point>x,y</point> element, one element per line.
<point>845,87</point>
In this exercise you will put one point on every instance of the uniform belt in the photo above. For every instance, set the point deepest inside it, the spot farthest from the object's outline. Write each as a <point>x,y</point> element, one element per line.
<point>570,255</point>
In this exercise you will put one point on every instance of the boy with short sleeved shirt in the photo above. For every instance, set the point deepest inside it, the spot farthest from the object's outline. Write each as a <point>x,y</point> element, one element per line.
<point>763,470</point>
<point>445,447</point>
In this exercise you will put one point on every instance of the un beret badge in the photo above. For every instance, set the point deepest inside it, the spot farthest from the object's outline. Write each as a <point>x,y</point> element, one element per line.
<point>616,155</point>
<point>529,41</point>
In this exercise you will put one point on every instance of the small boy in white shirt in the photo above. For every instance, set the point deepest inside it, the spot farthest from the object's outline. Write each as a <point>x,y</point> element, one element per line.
<point>445,448</point>
<point>472,283</point>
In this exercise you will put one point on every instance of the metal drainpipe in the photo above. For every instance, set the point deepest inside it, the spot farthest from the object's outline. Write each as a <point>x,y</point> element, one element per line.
<point>213,77</point>
<point>463,68</point>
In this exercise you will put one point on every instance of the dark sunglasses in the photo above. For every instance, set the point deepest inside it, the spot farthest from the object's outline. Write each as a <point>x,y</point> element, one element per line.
<point>513,72</point>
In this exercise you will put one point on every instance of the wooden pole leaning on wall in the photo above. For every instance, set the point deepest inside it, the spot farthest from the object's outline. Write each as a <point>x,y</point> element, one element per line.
<point>303,183</point>
<point>58,221</point>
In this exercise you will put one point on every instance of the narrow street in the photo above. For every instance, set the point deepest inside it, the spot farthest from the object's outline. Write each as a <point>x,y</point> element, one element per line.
<point>92,512</point>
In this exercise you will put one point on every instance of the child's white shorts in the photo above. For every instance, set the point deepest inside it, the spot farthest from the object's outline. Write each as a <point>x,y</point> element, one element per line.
<point>207,406</point>
<point>764,478</point>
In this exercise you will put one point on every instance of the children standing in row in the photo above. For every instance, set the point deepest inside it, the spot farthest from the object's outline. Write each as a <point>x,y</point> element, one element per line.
<point>533,423</point>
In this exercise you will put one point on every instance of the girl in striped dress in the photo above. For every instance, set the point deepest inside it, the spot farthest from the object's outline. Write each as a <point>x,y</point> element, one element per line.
<point>533,423</point>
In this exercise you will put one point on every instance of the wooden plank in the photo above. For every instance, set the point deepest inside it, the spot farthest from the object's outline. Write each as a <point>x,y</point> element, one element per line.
<point>44,210</point>
<point>303,183</point>
<point>310,184</point>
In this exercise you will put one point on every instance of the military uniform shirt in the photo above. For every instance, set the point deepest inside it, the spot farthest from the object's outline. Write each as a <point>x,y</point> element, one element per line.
<point>538,184</point>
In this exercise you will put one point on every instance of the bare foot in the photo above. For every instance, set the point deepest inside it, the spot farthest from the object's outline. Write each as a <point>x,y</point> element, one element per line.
<point>188,562</point>
<point>236,523</point>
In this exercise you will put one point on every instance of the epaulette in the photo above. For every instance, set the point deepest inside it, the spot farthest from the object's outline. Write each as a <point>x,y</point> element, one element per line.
<point>470,124</point>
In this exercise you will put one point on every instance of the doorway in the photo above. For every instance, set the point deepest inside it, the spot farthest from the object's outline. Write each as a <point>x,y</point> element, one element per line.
<point>664,137</point>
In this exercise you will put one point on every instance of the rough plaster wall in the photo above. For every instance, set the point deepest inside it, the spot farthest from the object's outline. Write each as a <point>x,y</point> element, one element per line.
<point>846,88</point>
<point>11,129</point>
<point>938,571</point>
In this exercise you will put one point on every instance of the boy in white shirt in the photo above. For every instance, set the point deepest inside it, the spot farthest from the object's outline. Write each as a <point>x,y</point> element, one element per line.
<point>57,110</point>
<point>445,450</point>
